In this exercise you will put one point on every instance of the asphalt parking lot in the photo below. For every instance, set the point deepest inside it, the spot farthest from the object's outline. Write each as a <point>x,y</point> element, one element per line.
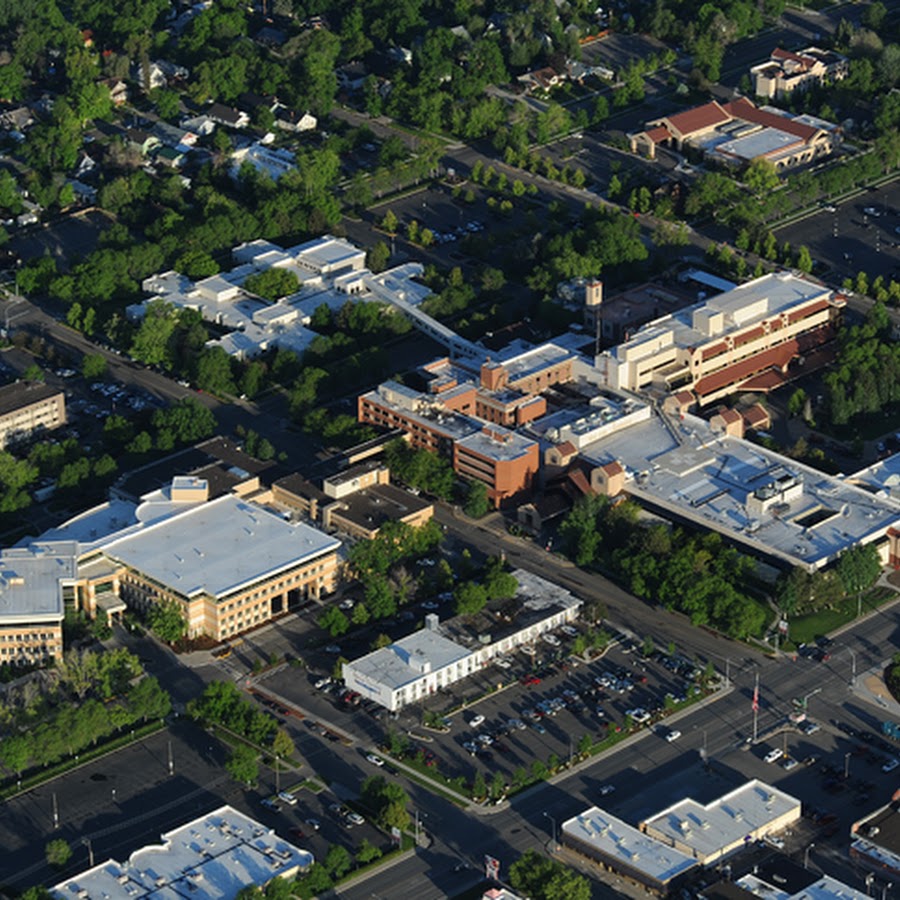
<point>848,239</point>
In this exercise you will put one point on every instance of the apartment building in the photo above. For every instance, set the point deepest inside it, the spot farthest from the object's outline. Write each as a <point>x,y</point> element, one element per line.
<point>29,408</point>
<point>716,347</point>
<point>785,71</point>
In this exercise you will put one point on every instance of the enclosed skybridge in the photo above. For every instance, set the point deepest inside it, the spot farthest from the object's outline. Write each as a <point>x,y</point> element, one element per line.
<point>394,291</point>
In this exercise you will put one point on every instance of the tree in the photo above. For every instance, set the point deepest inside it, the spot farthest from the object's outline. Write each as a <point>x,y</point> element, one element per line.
<point>282,745</point>
<point>242,765</point>
<point>470,598</point>
<point>93,366</point>
<point>388,802</point>
<point>272,284</point>
<point>333,621</point>
<point>858,568</point>
<point>542,878</point>
<point>167,622</point>
<point>389,223</point>
<point>152,344</point>
<point>378,257</point>
<point>148,700</point>
<point>761,176</point>
<point>804,259</point>
<point>58,853</point>
<point>477,501</point>
<point>33,373</point>
<point>367,852</point>
<point>338,861</point>
<point>214,372</point>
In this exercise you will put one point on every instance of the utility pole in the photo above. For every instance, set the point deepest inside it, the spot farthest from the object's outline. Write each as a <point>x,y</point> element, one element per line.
<point>277,774</point>
<point>171,761</point>
<point>756,709</point>
<point>852,653</point>
<point>55,812</point>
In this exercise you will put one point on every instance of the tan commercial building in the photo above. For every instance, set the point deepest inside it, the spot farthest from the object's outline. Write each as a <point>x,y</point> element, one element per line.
<point>737,132</point>
<point>28,409</point>
<point>716,347</point>
<point>34,587</point>
<point>709,832</point>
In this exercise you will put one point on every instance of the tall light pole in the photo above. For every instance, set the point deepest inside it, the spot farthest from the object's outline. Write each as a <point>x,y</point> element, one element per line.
<point>171,761</point>
<point>547,815</point>
<point>885,888</point>
<point>87,842</point>
<point>852,653</point>
<point>806,857</point>
<point>869,879</point>
<point>846,766</point>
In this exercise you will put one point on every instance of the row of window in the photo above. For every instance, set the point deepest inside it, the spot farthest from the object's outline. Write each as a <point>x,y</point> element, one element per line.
<point>27,636</point>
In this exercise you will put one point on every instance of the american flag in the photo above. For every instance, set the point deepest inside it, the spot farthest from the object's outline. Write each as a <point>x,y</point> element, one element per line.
<point>756,699</point>
<point>492,868</point>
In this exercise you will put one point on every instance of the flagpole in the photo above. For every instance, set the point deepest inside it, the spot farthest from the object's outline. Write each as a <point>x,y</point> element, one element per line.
<point>755,707</point>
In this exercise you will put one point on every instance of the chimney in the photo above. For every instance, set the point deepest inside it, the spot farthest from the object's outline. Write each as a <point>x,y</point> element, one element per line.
<point>593,293</point>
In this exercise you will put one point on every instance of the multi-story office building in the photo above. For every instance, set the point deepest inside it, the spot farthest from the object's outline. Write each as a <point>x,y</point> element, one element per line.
<point>27,409</point>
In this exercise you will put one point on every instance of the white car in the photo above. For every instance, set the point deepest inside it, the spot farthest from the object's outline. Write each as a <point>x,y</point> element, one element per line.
<point>550,639</point>
<point>503,662</point>
<point>789,764</point>
<point>570,630</point>
<point>891,764</point>
<point>475,721</point>
<point>354,818</point>
<point>287,797</point>
<point>346,604</point>
<point>872,211</point>
<point>774,755</point>
<point>639,714</point>
<point>375,760</point>
<point>673,735</point>
<point>605,789</point>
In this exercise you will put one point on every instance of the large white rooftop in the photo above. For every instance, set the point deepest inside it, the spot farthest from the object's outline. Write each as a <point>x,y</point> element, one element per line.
<point>31,582</point>
<point>825,888</point>
<point>408,659</point>
<point>710,828</point>
<point>211,858</point>
<point>218,547</point>
<point>687,470</point>
<point>618,840</point>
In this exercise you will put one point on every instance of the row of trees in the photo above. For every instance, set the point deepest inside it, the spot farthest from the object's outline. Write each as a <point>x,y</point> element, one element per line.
<point>74,728</point>
<point>222,703</point>
<point>865,377</point>
<point>698,575</point>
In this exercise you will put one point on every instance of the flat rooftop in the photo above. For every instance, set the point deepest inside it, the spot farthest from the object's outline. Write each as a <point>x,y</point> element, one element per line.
<point>545,356</point>
<point>30,581</point>
<point>210,858</point>
<point>685,469</point>
<point>711,827</point>
<point>218,547</point>
<point>373,506</point>
<point>24,393</point>
<point>406,660</point>
<point>536,598</point>
<point>756,300</point>
<point>494,442</point>
<point>620,841</point>
<point>882,828</point>
<point>823,888</point>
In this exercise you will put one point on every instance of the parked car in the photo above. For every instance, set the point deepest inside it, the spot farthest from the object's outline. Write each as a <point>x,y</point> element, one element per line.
<point>475,721</point>
<point>287,797</point>
<point>774,755</point>
<point>673,735</point>
<point>375,760</point>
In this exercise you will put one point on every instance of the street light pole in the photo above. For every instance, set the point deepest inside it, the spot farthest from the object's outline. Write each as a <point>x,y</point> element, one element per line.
<point>885,888</point>
<point>846,766</point>
<point>90,847</point>
<point>852,653</point>
<point>806,858</point>
<point>553,823</point>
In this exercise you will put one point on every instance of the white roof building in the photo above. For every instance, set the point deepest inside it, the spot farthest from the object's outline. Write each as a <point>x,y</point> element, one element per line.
<point>210,858</point>
<point>709,832</point>
<point>617,845</point>
<point>441,654</point>
<point>329,271</point>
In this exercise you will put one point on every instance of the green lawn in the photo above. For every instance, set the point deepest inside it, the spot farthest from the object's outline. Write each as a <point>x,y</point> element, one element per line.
<point>804,629</point>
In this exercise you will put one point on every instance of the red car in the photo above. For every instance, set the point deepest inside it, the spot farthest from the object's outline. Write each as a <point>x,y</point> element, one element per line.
<point>531,679</point>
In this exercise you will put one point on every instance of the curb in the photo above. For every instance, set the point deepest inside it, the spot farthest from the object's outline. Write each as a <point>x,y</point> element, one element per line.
<point>351,882</point>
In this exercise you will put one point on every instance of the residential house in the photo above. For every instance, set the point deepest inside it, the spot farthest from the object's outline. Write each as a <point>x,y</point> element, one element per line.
<point>141,141</point>
<point>352,76</point>
<point>541,79</point>
<point>289,120</point>
<point>118,90</point>
<point>228,116</point>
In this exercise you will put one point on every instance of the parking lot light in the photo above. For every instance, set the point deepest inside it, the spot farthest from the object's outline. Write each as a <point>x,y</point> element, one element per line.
<point>553,824</point>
